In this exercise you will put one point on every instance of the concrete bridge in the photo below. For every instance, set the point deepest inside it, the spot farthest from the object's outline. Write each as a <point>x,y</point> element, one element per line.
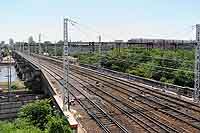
<point>92,91</point>
<point>37,80</point>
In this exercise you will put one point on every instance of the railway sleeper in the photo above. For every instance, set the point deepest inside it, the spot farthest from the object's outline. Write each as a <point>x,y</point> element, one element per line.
<point>170,110</point>
<point>155,106</point>
<point>109,124</point>
<point>184,119</point>
<point>145,118</point>
<point>100,115</point>
<point>94,117</point>
<point>167,103</point>
<point>89,108</point>
<point>196,122</point>
<point>106,121</point>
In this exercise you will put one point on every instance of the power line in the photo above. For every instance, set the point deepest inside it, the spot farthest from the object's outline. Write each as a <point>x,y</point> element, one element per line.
<point>84,33</point>
<point>74,23</point>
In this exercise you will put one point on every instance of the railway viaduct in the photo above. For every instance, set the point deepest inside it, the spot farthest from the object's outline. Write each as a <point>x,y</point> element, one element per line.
<point>111,101</point>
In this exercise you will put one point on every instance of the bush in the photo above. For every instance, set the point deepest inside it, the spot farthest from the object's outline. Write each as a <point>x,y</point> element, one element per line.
<point>37,117</point>
<point>57,124</point>
<point>13,87</point>
<point>37,113</point>
<point>17,127</point>
<point>17,85</point>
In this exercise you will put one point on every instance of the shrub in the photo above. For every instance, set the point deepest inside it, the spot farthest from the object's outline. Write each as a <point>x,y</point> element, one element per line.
<point>14,87</point>
<point>56,124</point>
<point>8,127</point>
<point>37,117</point>
<point>37,113</point>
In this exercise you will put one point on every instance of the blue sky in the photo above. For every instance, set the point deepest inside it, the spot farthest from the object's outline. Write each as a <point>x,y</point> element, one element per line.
<point>113,19</point>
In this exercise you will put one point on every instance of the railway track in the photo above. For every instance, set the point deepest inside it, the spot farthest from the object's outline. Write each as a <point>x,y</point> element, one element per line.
<point>146,107</point>
<point>151,109</point>
<point>143,122</point>
<point>132,84</point>
<point>176,110</point>
<point>103,119</point>
<point>144,89</point>
<point>129,110</point>
<point>154,119</point>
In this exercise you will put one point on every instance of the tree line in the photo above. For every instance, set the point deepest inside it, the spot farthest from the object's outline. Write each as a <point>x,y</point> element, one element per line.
<point>170,66</point>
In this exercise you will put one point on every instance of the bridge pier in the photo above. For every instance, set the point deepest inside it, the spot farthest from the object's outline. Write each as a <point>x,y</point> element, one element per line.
<point>33,80</point>
<point>28,73</point>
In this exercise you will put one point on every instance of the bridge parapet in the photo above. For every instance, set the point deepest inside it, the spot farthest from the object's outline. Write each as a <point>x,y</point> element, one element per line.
<point>179,90</point>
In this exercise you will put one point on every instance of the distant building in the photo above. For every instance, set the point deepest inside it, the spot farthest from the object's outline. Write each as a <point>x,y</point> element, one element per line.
<point>2,42</point>
<point>11,41</point>
<point>30,40</point>
<point>119,41</point>
<point>144,40</point>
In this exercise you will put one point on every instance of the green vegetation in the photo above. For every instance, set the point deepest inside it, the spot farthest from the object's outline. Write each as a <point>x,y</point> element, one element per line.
<point>18,127</point>
<point>168,66</point>
<point>51,51</point>
<point>17,85</point>
<point>37,117</point>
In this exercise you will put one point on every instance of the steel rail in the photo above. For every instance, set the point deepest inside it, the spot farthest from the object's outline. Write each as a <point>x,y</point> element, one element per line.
<point>95,117</point>
<point>193,118</point>
<point>164,96</point>
<point>121,81</point>
<point>129,114</point>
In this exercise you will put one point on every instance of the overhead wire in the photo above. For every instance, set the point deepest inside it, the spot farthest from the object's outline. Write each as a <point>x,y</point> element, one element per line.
<point>76,25</point>
<point>90,28</point>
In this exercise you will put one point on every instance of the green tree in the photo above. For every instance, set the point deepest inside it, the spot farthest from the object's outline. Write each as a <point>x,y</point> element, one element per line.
<point>37,113</point>
<point>169,66</point>
<point>56,124</point>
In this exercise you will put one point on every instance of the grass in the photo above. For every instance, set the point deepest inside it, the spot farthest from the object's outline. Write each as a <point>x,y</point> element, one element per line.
<point>19,85</point>
<point>15,85</point>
